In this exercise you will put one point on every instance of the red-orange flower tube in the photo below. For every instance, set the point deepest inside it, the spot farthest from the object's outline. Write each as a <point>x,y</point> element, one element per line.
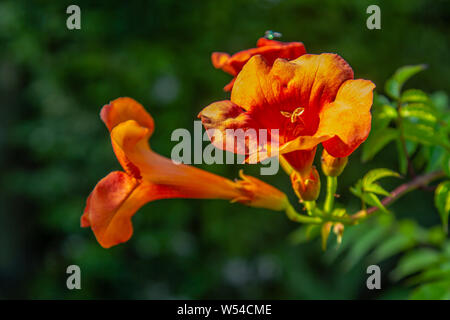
<point>269,49</point>
<point>149,176</point>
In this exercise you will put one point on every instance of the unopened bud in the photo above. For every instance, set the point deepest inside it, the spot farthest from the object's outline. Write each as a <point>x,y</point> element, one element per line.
<point>306,187</point>
<point>332,166</point>
<point>256,193</point>
<point>338,230</point>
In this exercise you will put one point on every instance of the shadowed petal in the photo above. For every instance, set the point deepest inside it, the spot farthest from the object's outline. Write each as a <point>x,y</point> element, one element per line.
<point>226,117</point>
<point>301,160</point>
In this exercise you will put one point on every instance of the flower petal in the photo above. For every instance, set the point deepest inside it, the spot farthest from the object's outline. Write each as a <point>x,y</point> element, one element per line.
<point>220,61</point>
<point>309,80</point>
<point>264,42</point>
<point>302,143</point>
<point>124,109</point>
<point>269,49</point>
<point>121,110</point>
<point>301,160</point>
<point>269,93</point>
<point>221,119</point>
<point>348,118</point>
<point>107,211</point>
<point>113,202</point>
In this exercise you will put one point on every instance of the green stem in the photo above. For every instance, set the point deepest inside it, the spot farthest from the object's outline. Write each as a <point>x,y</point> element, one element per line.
<point>310,206</point>
<point>398,192</point>
<point>331,190</point>
<point>297,217</point>
<point>344,220</point>
<point>402,138</point>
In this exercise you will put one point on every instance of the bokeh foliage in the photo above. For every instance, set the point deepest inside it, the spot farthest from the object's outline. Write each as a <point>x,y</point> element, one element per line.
<point>54,147</point>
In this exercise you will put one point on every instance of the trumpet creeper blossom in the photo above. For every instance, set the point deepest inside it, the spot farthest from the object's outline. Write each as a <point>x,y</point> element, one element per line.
<point>310,100</point>
<point>148,176</point>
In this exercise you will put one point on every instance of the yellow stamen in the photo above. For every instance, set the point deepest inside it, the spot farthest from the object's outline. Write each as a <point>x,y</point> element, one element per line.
<point>294,115</point>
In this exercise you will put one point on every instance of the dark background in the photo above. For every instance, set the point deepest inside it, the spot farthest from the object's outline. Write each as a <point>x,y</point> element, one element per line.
<point>54,148</point>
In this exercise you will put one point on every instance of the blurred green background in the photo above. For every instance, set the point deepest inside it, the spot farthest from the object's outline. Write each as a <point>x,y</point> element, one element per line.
<point>54,148</point>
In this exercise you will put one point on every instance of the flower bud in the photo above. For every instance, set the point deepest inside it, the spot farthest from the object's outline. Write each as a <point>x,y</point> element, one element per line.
<point>256,193</point>
<point>338,230</point>
<point>332,166</point>
<point>306,187</point>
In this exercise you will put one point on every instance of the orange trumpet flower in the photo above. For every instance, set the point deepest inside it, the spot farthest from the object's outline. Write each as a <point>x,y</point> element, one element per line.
<point>149,176</point>
<point>310,100</point>
<point>269,49</point>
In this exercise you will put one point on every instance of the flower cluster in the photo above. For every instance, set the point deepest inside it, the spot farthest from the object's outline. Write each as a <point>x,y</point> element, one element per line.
<point>310,99</point>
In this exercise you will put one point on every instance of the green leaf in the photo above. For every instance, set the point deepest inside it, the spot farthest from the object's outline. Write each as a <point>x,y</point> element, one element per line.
<point>392,88</point>
<point>373,200</point>
<point>391,246</point>
<point>409,228</point>
<point>352,236</point>
<point>411,146</point>
<point>415,95</point>
<point>436,236</point>
<point>394,84</point>
<point>433,274</point>
<point>420,111</point>
<point>357,189</point>
<point>446,248</point>
<point>379,100</point>
<point>415,261</point>
<point>439,290</point>
<point>366,188</point>
<point>376,174</point>
<point>364,244</point>
<point>376,188</point>
<point>382,116</point>
<point>440,101</point>
<point>376,141</point>
<point>435,158</point>
<point>442,202</point>
<point>424,134</point>
<point>446,164</point>
<point>404,73</point>
<point>304,234</point>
